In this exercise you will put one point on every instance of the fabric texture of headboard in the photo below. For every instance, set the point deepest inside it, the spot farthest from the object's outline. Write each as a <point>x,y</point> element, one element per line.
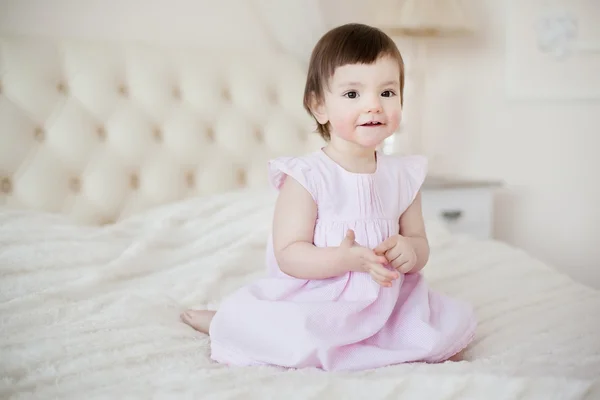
<point>99,131</point>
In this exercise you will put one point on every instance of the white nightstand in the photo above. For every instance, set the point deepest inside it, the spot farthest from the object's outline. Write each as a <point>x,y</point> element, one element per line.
<point>465,206</point>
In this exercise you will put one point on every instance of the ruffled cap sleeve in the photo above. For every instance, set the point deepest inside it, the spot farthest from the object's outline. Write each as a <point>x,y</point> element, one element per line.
<point>280,168</point>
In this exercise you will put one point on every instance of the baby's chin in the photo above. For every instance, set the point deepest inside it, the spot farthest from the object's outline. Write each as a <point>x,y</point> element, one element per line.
<point>373,138</point>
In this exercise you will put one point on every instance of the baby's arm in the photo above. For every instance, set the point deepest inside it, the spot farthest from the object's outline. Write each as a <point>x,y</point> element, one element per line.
<point>412,227</point>
<point>293,230</point>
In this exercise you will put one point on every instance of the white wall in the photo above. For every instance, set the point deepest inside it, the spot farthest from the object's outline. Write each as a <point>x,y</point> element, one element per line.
<point>544,151</point>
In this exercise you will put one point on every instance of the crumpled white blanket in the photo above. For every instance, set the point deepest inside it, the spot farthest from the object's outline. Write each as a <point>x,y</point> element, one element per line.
<point>93,312</point>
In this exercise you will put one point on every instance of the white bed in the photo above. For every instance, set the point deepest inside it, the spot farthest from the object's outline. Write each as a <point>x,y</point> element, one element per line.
<point>115,219</point>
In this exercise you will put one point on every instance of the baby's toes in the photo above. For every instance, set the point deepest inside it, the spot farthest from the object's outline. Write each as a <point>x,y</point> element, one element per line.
<point>186,316</point>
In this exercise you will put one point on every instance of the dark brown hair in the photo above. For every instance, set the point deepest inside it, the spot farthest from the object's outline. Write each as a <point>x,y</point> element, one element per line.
<point>346,44</point>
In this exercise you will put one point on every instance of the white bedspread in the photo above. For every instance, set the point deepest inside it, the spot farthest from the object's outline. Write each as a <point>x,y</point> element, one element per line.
<point>89,312</point>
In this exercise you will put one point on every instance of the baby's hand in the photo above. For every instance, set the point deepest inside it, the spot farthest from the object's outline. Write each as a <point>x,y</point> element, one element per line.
<point>399,252</point>
<point>361,259</point>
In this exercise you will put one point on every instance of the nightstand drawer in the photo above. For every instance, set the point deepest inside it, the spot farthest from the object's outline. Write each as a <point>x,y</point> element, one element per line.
<point>464,210</point>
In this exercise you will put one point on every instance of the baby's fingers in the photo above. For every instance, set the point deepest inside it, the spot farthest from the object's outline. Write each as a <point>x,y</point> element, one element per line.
<point>383,272</point>
<point>380,279</point>
<point>376,259</point>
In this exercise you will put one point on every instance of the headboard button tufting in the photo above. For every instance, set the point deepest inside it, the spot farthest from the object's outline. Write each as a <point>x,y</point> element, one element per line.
<point>123,91</point>
<point>272,95</point>
<point>177,93</point>
<point>258,135</point>
<point>134,181</point>
<point>39,134</point>
<point>241,177</point>
<point>157,134</point>
<point>190,179</point>
<point>210,134</point>
<point>111,129</point>
<point>75,185</point>
<point>226,95</point>
<point>5,185</point>
<point>101,133</point>
<point>62,87</point>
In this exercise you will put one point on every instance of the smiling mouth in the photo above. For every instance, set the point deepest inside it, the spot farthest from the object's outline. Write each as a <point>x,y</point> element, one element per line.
<point>372,123</point>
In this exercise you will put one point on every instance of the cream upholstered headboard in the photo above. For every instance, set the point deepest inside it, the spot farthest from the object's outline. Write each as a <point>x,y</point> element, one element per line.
<point>102,130</point>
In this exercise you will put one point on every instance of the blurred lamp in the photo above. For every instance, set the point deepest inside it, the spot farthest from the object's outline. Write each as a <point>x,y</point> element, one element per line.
<point>422,20</point>
<point>431,18</point>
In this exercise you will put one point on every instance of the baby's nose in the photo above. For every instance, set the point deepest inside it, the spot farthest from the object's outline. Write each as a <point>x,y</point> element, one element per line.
<point>373,105</point>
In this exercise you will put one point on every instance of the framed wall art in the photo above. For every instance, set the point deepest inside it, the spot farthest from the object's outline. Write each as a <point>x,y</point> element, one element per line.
<point>553,49</point>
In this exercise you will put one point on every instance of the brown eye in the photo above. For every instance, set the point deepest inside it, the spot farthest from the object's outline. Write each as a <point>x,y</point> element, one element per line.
<point>388,93</point>
<point>351,95</point>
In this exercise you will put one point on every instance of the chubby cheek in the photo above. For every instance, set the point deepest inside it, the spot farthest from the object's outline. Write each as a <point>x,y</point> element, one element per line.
<point>394,120</point>
<point>344,125</point>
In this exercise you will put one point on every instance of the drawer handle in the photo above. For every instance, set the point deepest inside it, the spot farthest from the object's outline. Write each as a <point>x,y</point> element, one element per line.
<point>451,215</point>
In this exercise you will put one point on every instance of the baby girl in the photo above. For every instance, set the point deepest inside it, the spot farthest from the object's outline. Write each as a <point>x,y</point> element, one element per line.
<point>343,289</point>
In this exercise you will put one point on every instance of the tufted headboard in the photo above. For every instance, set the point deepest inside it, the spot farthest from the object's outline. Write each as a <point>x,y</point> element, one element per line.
<point>102,130</point>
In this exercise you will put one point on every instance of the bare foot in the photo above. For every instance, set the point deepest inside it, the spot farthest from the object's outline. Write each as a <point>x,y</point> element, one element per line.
<point>460,356</point>
<point>199,320</point>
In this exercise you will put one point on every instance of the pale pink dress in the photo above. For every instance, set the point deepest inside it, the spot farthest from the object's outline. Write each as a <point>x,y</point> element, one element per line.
<point>348,322</point>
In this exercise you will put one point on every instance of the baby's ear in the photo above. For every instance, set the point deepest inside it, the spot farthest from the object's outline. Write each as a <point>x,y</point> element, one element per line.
<point>318,109</point>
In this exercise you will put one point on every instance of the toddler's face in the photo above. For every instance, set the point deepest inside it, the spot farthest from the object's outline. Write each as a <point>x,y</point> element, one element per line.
<point>362,104</point>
